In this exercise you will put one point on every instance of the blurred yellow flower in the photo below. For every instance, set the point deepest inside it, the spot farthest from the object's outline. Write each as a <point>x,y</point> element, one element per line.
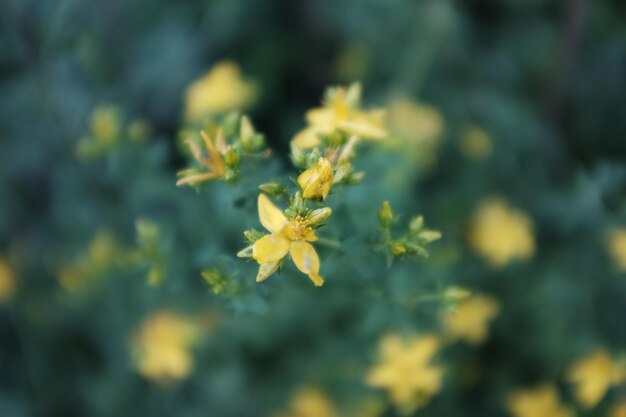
<point>501,234</point>
<point>616,240</point>
<point>213,164</point>
<point>406,370</point>
<point>309,402</point>
<point>162,346</point>
<point>619,410</point>
<point>104,251</point>
<point>341,112</point>
<point>105,124</point>
<point>287,236</point>
<point>594,375</point>
<point>541,401</point>
<point>470,320</point>
<point>316,181</point>
<point>7,280</point>
<point>418,127</point>
<point>222,89</point>
<point>475,143</point>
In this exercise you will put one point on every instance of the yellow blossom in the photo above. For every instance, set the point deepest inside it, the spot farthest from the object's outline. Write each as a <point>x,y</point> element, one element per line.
<point>470,320</point>
<point>541,401</point>
<point>317,180</point>
<point>341,112</point>
<point>105,124</point>
<point>475,143</point>
<point>617,247</point>
<point>406,371</point>
<point>594,375</point>
<point>501,234</point>
<point>309,402</point>
<point>222,89</point>
<point>161,347</point>
<point>418,127</point>
<point>287,236</point>
<point>7,281</point>
<point>213,163</point>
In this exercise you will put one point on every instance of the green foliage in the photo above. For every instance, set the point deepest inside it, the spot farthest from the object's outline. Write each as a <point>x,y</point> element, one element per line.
<point>99,239</point>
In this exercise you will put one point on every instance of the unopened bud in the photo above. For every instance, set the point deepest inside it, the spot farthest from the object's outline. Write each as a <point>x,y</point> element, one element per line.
<point>272,188</point>
<point>319,215</point>
<point>316,181</point>
<point>385,215</point>
<point>232,157</point>
<point>398,249</point>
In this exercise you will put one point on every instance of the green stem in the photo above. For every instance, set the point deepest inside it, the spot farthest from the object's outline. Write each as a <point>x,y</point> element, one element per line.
<point>331,243</point>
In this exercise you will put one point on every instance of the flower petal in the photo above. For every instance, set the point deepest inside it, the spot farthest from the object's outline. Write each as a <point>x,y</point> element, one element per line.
<point>270,248</point>
<point>322,118</point>
<point>306,260</point>
<point>272,218</point>
<point>267,269</point>
<point>307,138</point>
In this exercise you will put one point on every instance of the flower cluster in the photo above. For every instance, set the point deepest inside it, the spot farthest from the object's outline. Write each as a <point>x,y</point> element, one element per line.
<point>224,148</point>
<point>414,241</point>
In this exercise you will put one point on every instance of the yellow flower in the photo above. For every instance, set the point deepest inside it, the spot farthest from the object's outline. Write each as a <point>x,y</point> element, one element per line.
<point>542,401</point>
<point>475,143</point>
<point>501,234</point>
<point>7,281</point>
<point>406,372</point>
<point>213,163</point>
<point>617,247</point>
<point>317,180</point>
<point>594,375</point>
<point>619,410</point>
<point>309,402</point>
<point>418,127</point>
<point>162,346</point>
<point>105,124</point>
<point>221,90</point>
<point>287,236</point>
<point>342,113</point>
<point>470,320</point>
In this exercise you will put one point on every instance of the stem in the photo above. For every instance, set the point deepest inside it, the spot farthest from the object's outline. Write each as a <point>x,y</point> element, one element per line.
<point>331,243</point>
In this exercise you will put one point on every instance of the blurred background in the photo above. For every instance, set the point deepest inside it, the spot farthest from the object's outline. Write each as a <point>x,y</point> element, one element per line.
<point>513,116</point>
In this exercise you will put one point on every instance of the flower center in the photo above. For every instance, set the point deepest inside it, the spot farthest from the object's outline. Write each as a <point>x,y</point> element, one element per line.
<point>298,230</point>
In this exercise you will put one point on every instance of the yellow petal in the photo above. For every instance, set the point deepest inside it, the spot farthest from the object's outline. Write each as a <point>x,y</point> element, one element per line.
<point>316,181</point>
<point>322,118</point>
<point>272,218</point>
<point>306,260</point>
<point>216,158</point>
<point>266,269</point>
<point>364,126</point>
<point>307,138</point>
<point>270,248</point>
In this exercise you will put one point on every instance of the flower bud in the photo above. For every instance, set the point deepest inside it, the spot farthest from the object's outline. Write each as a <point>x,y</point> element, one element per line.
<point>430,235</point>
<point>232,157</point>
<point>318,216</point>
<point>272,188</point>
<point>398,248</point>
<point>317,180</point>
<point>416,225</point>
<point>250,139</point>
<point>385,215</point>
